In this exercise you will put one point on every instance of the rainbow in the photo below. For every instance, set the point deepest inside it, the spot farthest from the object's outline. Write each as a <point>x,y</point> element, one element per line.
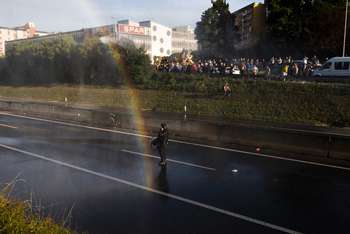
<point>91,9</point>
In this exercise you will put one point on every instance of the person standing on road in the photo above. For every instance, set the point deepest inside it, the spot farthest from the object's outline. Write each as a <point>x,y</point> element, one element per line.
<point>160,142</point>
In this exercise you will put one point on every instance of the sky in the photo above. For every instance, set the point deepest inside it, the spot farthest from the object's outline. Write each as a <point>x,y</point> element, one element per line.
<point>66,15</point>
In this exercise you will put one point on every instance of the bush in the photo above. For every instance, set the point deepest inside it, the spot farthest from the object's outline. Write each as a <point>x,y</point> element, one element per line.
<point>134,63</point>
<point>16,218</point>
<point>63,61</point>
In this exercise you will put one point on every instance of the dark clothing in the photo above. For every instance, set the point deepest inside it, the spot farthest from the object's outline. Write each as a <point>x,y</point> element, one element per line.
<point>160,142</point>
<point>163,136</point>
<point>161,151</point>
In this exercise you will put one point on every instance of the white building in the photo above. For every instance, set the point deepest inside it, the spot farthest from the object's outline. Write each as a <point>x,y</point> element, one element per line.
<point>157,40</point>
<point>132,32</point>
<point>183,38</point>
<point>161,39</point>
<point>23,32</point>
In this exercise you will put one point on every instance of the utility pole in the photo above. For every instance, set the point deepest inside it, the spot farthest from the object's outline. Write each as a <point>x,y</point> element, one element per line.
<point>115,28</point>
<point>346,26</point>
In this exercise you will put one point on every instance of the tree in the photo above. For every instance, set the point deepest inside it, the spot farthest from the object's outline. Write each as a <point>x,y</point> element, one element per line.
<point>327,28</point>
<point>216,31</point>
<point>286,19</point>
<point>134,63</point>
<point>63,61</point>
<point>306,26</point>
<point>98,64</point>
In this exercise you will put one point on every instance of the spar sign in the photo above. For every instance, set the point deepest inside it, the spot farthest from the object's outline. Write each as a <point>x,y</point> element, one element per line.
<point>129,29</point>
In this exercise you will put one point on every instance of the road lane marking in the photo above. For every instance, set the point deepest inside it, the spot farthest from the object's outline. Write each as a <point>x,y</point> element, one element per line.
<point>8,126</point>
<point>75,125</point>
<point>263,155</point>
<point>310,131</point>
<point>155,191</point>
<point>169,160</point>
<point>179,142</point>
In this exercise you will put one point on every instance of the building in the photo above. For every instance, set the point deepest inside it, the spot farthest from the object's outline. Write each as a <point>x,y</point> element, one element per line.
<point>23,32</point>
<point>157,40</point>
<point>132,32</point>
<point>251,24</point>
<point>151,36</point>
<point>183,38</point>
<point>161,39</point>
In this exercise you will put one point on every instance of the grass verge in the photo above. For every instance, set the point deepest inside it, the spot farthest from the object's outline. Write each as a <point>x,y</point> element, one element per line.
<point>16,218</point>
<point>310,103</point>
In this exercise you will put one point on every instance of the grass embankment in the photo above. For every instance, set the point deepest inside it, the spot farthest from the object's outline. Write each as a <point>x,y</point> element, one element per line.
<point>16,218</point>
<point>284,102</point>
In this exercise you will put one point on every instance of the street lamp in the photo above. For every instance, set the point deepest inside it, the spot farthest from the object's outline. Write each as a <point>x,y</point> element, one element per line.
<point>115,28</point>
<point>346,26</point>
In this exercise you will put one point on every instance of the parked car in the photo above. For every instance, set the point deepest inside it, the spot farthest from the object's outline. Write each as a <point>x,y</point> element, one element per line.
<point>337,66</point>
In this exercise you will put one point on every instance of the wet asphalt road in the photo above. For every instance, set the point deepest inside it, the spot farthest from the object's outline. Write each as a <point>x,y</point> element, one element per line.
<point>106,182</point>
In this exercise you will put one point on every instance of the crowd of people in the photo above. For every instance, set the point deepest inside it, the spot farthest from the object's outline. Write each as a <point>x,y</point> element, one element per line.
<point>274,67</point>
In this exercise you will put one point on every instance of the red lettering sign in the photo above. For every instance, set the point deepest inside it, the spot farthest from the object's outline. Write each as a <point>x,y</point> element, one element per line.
<point>129,29</point>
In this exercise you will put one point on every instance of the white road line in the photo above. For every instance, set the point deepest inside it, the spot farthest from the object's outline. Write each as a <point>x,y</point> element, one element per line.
<point>75,125</point>
<point>311,131</point>
<point>8,126</point>
<point>169,160</point>
<point>155,191</point>
<point>179,142</point>
<point>264,155</point>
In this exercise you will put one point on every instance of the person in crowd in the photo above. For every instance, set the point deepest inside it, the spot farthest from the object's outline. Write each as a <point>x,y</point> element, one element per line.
<point>255,71</point>
<point>267,72</point>
<point>305,60</point>
<point>285,69</point>
<point>246,66</point>
<point>295,70</point>
<point>227,90</point>
<point>279,61</point>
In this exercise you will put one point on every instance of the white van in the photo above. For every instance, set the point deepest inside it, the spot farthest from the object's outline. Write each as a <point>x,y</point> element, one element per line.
<point>337,66</point>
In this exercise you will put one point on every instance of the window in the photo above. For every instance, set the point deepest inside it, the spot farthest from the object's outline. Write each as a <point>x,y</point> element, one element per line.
<point>327,66</point>
<point>342,66</point>
<point>154,28</point>
<point>161,40</point>
<point>168,52</point>
<point>338,66</point>
<point>168,33</point>
<point>154,38</point>
<point>161,50</point>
